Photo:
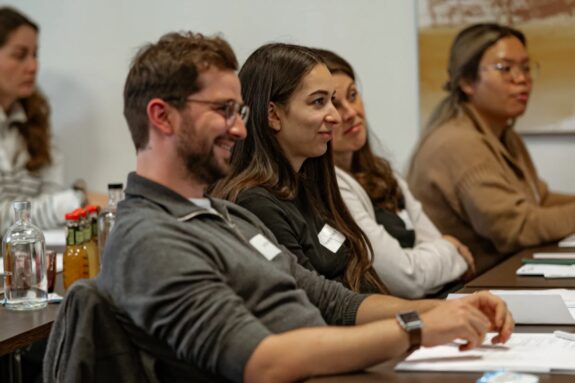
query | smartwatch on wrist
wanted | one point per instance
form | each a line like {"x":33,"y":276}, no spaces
{"x":412,"y":324}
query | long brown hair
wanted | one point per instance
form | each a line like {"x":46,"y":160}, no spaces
{"x":36,"y":130}
{"x":271,"y":74}
{"x":373,"y":173}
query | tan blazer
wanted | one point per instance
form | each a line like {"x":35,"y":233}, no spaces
{"x":486,"y":191}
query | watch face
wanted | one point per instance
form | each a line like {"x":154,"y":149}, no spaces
{"x":409,"y":320}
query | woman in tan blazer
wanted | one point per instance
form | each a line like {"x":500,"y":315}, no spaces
{"x":471,"y":170}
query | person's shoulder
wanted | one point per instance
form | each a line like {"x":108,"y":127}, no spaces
{"x":255,"y":191}
{"x":142,"y":215}
{"x":455,"y":139}
{"x":454,"y":131}
{"x":241,"y":215}
{"x":257,"y":195}
{"x":343,"y":177}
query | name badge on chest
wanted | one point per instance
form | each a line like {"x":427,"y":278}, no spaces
{"x":264,"y":246}
{"x":330,"y":238}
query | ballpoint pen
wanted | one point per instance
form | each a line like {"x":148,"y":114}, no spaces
{"x":564,"y":335}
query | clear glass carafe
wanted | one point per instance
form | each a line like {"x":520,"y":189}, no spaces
{"x":107,"y":215}
{"x":23,"y":251}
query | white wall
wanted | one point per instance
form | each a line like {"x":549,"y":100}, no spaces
{"x":86,"y":47}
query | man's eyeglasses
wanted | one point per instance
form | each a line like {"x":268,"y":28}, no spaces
{"x":230,"y":109}
{"x":513,"y":71}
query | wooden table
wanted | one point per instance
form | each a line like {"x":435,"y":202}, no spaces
{"x":18,"y":329}
{"x":22,"y":328}
{"x":384,"y":372}
{"x":503,"y":275}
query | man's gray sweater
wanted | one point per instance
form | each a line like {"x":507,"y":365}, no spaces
{"x":195,"y":292}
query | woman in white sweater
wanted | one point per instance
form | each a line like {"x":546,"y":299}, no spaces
{"x":30,"y":169}
{"x":410,"y":255}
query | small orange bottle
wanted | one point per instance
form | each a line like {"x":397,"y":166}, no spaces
{"x":75,"y":257}
{"x":89,"y":246}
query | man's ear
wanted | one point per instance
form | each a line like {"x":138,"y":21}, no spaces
{"x":273,"y":117}
{"x":160,"y":115}
{"x":467,"y":87}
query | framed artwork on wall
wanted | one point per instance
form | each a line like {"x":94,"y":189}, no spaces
{"x":549,"y":26}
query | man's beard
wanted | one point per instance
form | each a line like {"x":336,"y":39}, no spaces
{"x":198,"y":157}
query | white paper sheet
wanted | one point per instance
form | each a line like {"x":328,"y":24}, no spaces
{"x":567,"y":241}
{"x":523,"y":352}
{"x":547,"y":271}
{"x":537,"y":306}
{"x":569,"y":255}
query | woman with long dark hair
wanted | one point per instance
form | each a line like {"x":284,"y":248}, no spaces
{"x":471,"y":170}
{"x":410,"y":255}
{"x":283,"y":171}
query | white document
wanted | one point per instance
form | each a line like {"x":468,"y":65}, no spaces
{"x":542,"y":353}
{"x":567,"y":295}
{"x":535,"y":307}
{"x":547,"y":271}
{"x":568,"y":241}
{"x":554,"y":256}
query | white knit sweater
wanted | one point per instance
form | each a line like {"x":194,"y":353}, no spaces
{"x":407,"y":273}
{"x":50,"y":201}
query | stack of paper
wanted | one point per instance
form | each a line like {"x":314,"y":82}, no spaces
{"x":547,"y":270}
{"x":570,"y":256}
{"x":568,"y":296}
{"x":552,"y":306}
{"x":539,"y":353}
{"x":568,"y":241}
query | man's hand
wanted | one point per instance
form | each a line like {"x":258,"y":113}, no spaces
{"x":468,"y":318}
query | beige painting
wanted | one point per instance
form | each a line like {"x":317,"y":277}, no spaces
{"x":549,"y":26}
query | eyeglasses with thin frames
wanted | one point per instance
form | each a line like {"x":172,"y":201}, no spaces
{"x":230,"y":109}
{"x":513,"y":71}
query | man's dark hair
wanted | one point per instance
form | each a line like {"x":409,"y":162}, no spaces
{"x":169,"y":70}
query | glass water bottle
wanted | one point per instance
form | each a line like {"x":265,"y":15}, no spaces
{"x":23,"y":250}
{"x":107,"y":215}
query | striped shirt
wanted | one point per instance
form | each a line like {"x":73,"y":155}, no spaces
{"x":50,"y":201}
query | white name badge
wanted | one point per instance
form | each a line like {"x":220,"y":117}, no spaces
{"x":264,"y":246}
{"x":330,"y":238}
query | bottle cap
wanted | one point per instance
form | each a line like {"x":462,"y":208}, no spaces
{"x":21,"y":205}
{"x":81,"y":212}
{"x":92,"y":208}
{"x":72,"y":216}
{"x":116,"y":186}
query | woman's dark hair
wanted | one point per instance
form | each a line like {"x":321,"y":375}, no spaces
{"x":271,"y":74}
{"x":36,"y":130}
{"x":373,"y":173}
{"x":465,"y":55}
